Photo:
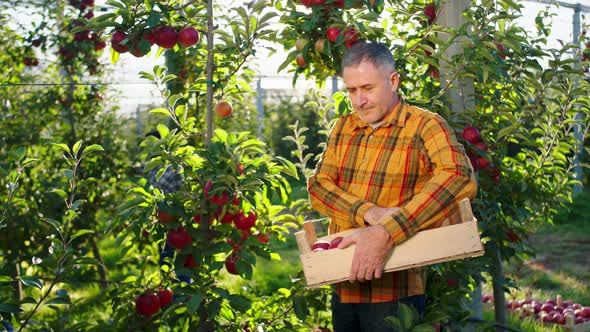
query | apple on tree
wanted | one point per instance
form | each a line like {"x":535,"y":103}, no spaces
{"x":300,"y":60}
{"x":117,"y":39}
{"x":188,"y":37}
{"x":165,"y":295}
{"x":430,"y":12}
{"x":230,"y":263}
{"x":147,"y":304}
{"x":332,"y":34}
{"x":223,"y":109}
{"x":320,"y":45}
{"x":178,"y":238}
{"x":165,"y":36}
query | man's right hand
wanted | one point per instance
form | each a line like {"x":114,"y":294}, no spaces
{"x":376,"y":213}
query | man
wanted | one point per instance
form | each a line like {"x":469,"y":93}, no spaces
{"x":391,"y":169}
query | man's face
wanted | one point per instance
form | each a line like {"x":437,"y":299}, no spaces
{"x":372,"y":90}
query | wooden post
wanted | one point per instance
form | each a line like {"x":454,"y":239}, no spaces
{"x":310,"y":234}
{"x":461,"y":98}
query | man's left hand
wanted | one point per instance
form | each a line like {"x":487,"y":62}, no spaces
{"x":373,"y":245}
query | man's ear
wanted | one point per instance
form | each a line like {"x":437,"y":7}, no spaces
{"x":394,"y":80}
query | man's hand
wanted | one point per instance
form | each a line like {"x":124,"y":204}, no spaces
{"x":376,"y":213}
{"x":373,"y":244}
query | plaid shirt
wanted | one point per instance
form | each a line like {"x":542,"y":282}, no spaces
{"x":412,"y":161}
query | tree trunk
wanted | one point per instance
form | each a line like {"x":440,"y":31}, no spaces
{"x":499,"y":298}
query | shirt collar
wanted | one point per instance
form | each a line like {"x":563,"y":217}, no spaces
{"x":395,"y":118}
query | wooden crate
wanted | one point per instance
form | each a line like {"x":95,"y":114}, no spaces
{"x":446,"y":243}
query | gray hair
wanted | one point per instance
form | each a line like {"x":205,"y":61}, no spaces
{"x":376,"y":53}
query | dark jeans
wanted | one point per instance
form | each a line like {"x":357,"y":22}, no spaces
{"x":369,"y":317}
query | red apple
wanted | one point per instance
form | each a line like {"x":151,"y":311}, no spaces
{"x":227,"y":218}
{"x":190,"y":262}
{"x":165,"y":217}
{"x":37,"y":42}
{"x":89,"y":15}
{"x":501,"y":50}
{"x":230,"y":263}
{"x":165,"y":296}
{"x":147,"y":304}
{"x":165,"y":36}
{"x":481,"y":146}
{"x":474,"y":163}
{"x":223,"y":109}
{"x":335,"y":242}
{"x":99,"y":45}
{"x":471,"y":135}
{"x":197,"y":218}
{"x":262,"y":238}
{"x":188,"y":37}
{"x":300,"y":60}
{"x":332,"y":34}
{"x":116,"y":39}
{"x":433,"y":71}
{"x":240,"y":171}
{"x":307,"y":3}
{"x":178,"y":238}
{"x":585,"y":312}
{"x":149,"y":36}
{"x":483,"y":163}
{"x":547,"y":307}
{"x":430,"y":12}
{"x":351,"y":36}
{"x":512,"y":237}
{"x":320,"y":246}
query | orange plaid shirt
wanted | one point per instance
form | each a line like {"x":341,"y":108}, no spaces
{"x":412,"y":161}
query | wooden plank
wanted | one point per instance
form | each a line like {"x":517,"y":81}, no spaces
{"x":425,"y":248}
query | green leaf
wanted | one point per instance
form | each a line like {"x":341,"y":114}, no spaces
{"x":32,"y":282}
{"x":194,"y":302}
{"x":163,"y":130}
{"x":68,"y":173}
{"x":28,"y":300}
{"x":394,"y":323}
{"x":161,"y":110}
{"x":153,"y":20}
{"x":10,"y":308}
{"x":20,"y":152}
{"x":62,"y":147}
{"x":300,"y":306}
{"x":239,"y":302}
{"x":114,"y":56}
{"x":92,"y":148}
{"x":80,"y":233}
{"x":60,"y":192}
{"x":4,"y":279}
{"x":77,"y":147}
{"x":53,"y":223}
{"x":424,"y":328}
{"x":406,"y":316}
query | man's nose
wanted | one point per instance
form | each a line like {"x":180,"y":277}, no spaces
{"x":361,"y":99}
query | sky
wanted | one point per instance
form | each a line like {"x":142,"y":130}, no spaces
{"x":135,"y":93}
